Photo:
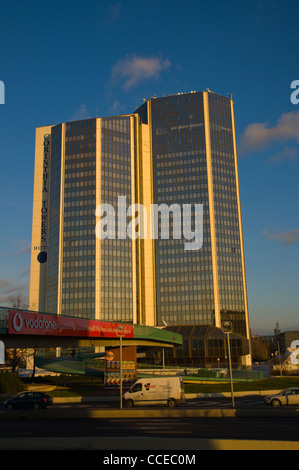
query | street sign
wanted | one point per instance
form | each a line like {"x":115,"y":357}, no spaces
{"x":227,"y":327}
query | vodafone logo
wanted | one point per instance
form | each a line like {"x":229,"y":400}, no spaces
{"x":27,"y":323}
{"x":17,"y":322}
{"x":21,"y":322}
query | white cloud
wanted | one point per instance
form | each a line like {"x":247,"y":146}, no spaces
{"x":80,"y":114}
{"x":286,"y":155}
{"x":116,"y":107}
{"x":10,"y":293}
{"x":23,"y":248}
{"x":8,"y":287}
{"x":114,"y":12}
{"x":132,"y":70}
{"x":284,"y":238}
{"x":259,"y":136}
{"x":5,"y":284}
{"x":266,"y":11}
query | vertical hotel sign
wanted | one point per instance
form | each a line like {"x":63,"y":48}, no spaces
{"x":42,"y":256}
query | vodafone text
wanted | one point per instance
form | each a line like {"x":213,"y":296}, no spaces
{"x":33,"y":323}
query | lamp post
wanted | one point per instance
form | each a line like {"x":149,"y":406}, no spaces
{"x":227,"y":328}
{"x":120,"y":333}
{"x":279,"y":357}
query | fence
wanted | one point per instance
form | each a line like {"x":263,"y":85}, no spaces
{"x":239,"y":375}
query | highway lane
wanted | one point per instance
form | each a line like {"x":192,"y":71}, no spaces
{"x":214,"y":402}
{"x":244,"y":402}
{"x":282,"y":429}
{"x":197,"y":403}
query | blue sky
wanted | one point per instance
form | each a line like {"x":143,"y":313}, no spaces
{"x":65,"y":60}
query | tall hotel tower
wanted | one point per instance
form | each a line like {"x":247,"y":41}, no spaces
{"x":179,"y":149}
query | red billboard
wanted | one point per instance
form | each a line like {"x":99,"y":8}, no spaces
{"x":31,"y":323}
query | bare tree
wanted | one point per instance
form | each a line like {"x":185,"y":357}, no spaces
{"x":18,"y":301}
{"x":16,"y":357}
{"x":260,"y":349}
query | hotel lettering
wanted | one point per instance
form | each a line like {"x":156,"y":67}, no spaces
{"x":42,"y":256}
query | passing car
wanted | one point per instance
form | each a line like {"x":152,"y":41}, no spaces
{"x":34,"y":400}
{"x":288,"y":397}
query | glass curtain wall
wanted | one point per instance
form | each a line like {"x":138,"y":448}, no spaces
{"x":78,"y":288}
{"x":116,"y":254}
{"x":184,"y":278}
{"x":231,"y":287}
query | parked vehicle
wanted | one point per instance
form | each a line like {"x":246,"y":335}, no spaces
{"x":156,"y":390}
{"x":289,"y":396}
{"x":34,"y":400}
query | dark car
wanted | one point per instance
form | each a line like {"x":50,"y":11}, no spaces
{"x":34,"y":400}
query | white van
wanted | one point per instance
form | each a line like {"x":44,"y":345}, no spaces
{"x":155,"y":391}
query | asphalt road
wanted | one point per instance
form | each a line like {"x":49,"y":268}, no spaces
{"x":282,"y":429}
{"x":122,"y":429}
{"x":250,"y":401}
{"x":216,"y":402}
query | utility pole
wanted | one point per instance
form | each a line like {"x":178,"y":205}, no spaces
{"x":227,"y":328}
{"x":279,"y":357}
{"x":121,"y":332}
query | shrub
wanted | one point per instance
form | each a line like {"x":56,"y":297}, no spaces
{"x":10,"y":383}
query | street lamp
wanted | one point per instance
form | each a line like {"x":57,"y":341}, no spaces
{"x":279,"y":357}
{"x":121,"y":331}
{"x":227,"y":328}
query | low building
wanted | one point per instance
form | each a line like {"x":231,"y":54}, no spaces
{"x":206,"y":346}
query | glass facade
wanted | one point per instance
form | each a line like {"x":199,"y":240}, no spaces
{"x":116,"y":254}
{"x":230,"y":277}
{"x":205,"y":346}
{"x":78,"y":265}
{"x":73,"y":184}
{"x":184,"y":278}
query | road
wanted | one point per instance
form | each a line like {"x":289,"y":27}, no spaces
{"x":213,"y":402}
{"x":281,"y":429}
{"x":127,"y":431}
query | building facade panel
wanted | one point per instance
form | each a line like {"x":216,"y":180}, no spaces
{"x":184,"y":278}
{"x":40,"y":214}
{"x":227,"y":224}
{"x":78,"y":258}
{"x":116,"y":249}
{"x":54,"y":220}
